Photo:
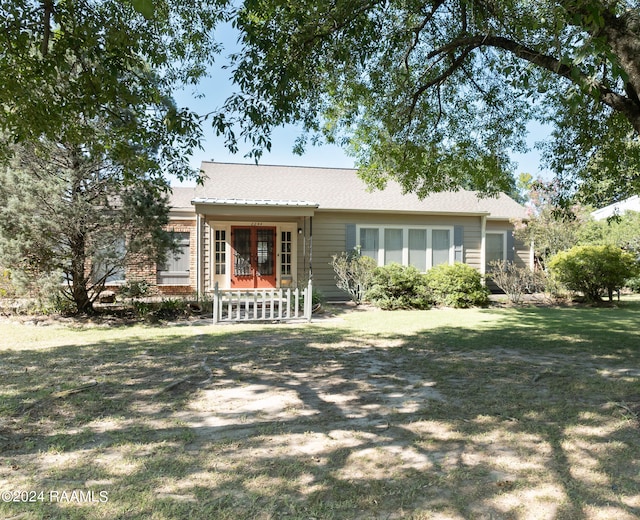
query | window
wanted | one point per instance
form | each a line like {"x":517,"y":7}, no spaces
{"x":175,"y":270}
{"x":220,"y":246}
{"x":392,"y":246}
{"x":441,"y":246}
{"x":421,"y":247}
{"x":418,"y":249}
{"x":285,"y":253}
{"x":369,"y":242}
{"x":495,"y":248}
{"x":108,"y":262}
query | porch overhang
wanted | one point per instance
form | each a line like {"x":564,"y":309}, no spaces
{"x":254,"y":207}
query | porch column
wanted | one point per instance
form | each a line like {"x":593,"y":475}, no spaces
{"x":199,"y":288}
{"x":483,"y":245}
{"x":310,"y":248}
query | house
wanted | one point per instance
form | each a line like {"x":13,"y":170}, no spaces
{"x":618,"y":208}
{"x":258,"y":226}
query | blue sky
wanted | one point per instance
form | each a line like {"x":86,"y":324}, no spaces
{"x":211,"y":93}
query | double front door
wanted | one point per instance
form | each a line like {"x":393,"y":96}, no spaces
{"x":254,"y":257}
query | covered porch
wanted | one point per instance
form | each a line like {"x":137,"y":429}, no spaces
{"x":254,"y":245}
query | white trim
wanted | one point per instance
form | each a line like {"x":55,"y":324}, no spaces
{"x":504,"y":244}
{"x":532,"y":257}
{"x":483,"y":245}
{"x":226,"y":225}
{"x":199,"y":235}
{"x":405,"y":241}
{"x":182,"y":216}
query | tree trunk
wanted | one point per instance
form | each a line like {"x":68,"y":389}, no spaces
{"x":79,"y":279}
{"x":622,"y":34}
{"x":79,"y":291}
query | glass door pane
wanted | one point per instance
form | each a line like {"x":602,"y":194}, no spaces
{"x":242,"y":252}
{"x":265,"y":250}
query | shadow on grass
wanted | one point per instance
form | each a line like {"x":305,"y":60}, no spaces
{"x":535,"y":413}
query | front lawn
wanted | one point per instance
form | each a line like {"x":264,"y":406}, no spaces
{"x":515,"y":413}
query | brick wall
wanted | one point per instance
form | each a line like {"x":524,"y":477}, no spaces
{"x":138,"y":271}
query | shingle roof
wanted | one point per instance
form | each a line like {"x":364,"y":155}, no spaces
{"x":181,"y":197}
{"x":336,"y":189}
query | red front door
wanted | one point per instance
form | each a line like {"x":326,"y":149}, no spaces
{"x":254,"y":257}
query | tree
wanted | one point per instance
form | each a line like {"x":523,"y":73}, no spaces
{"x":86,"y":107}
{"x":622,"y":231}
{"x":437,"y":93}
{"x":70,"y":214}
{"x":64,"y":64}
{"x":550,"y":227}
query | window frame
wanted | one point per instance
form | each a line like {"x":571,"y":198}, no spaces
{"x":405,"y":241}
{"x":504,"y":248}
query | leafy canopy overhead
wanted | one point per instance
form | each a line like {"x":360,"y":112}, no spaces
{"x":67,"y":63}
{"x":437,"y":93}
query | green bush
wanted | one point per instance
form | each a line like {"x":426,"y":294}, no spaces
{"x":171,"y":308}
{"x":134,"y":288}
{"x":7,"y":290}
{"x":592,"y":270}
{"x":633,"y":284}
{"x":354,"y":273}
{"x":457,"y":285}
{"x":399,"y":287}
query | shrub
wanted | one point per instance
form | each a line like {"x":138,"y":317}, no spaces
{"x":134,"y":288}
{"x":171,"y":308}
{"x":7,"y":290}
{"x":515,"y":281}
{"x":457,"y":285}
{"x":634,"y":284}
{"x":592,"y":270}
{"x":354,"y":273}
{"x":141,"y":309}
{"x":399,"y":287}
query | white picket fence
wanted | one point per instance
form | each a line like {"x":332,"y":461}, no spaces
{"x":233,"y":305}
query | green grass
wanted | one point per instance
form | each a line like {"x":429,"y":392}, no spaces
{"x":479,"y":413}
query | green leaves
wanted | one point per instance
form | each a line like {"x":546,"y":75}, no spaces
{"x":117,"y":61}
{"x":594,"y":269}
{"x":435,"y":94}
{"x":144,"y":7}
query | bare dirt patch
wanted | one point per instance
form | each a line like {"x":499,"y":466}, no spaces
{"x":323,"y":422}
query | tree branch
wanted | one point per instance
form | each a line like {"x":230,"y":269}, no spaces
{"x":418,"y":29}
{"x":574,"y":74}
{"x":46,"y":26}
{"x":455,"y":65}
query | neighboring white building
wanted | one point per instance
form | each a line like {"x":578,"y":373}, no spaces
{"x":618,"y":208}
